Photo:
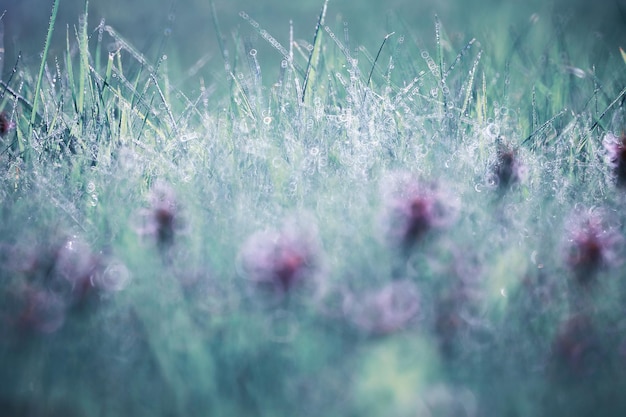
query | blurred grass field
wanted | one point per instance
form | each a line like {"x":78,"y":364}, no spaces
{"x":406,"y":213}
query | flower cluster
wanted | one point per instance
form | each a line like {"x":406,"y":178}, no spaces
{"x":49,"y":281}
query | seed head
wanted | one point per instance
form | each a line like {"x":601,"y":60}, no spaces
{"x":161,"y":219}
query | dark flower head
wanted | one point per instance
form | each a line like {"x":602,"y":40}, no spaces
{"x":413,"y":209}
{"x":592,"y":245}
{"x":281,"y":259}
{"x":161,"y":219}
{"x":506,"y":169}
{"x":616,"y":156}
{"x":5,"y":124}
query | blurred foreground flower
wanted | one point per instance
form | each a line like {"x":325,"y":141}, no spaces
{"x":39,"y":310}
{"x":48,"y":281}
{"x":413,"y":209}
{"x":616,"y":156}
{"x":385,"y":311}
{"x":5,"y":124}
{"x":506,"y":170}
{"x":281,"y":259}
{"x":161,"y":220}
{"x":592,"y":245}
{"x":575,"y":348}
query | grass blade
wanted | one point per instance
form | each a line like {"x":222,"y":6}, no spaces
{"x":315,"y":53}
{"x":33,"y":114}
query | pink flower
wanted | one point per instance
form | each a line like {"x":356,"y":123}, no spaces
{"x":592,"y":245}
{"x":507,"y":169}
{"x":414,"y":209}
{"x":281,"y":259}
{"x":161,"y":220}
{"x":5,"y":124}
{"x":616,"y":156}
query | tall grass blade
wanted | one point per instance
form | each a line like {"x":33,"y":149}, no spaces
{"x":84,"y":60}
{"x":33,"y":114}
{"x":311,"y":67}
{"x":369,"y":78}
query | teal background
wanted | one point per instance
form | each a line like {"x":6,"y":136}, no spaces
{"x":144,"y":22}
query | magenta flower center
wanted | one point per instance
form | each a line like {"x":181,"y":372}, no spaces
{"x":287,"y":265}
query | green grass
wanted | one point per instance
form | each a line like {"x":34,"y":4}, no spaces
{"x":247,"y":248}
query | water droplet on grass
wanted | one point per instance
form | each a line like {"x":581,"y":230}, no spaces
{"x":115,"y":277}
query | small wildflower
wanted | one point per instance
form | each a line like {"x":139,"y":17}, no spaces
{"x":5,"y":124}
{"x":414,"y":209}
{"x":616,"y":156}
{"x":506,"y":169}
{"x":387,"y":310}
{"x":280,"y":259}
{"x":161,"y":219}
{"x":592,"y":246}
{"x":79,"y":267}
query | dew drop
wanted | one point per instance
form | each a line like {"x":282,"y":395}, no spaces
{"x":115,"y":277}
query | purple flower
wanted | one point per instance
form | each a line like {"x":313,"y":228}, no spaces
{"x":507,"y":169}
{"x":281,"y":259}
{"x":592,"y":245}
{"x":414,"y":209}
{"x":5,"y":124}
{"x":161,"y":220}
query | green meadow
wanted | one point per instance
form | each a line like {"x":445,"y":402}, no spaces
{"x":335,"y":208}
